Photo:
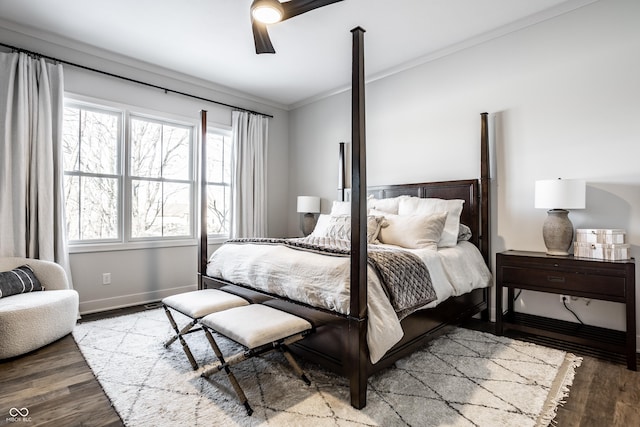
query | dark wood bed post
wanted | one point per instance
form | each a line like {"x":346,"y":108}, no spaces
{"x":204,"y":241}
{"x":484,"y":189}
{"x":341,"y":172}
{"x":358,"y":285}
{"x":485,"y":202}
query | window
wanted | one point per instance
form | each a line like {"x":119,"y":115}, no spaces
{"x":161,"y":180}
{"x":130,"y":178}
{"x":91,"y":151}
{"x":218,"y":182}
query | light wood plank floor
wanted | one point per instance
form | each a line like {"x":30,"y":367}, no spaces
{"x":57,"y":387}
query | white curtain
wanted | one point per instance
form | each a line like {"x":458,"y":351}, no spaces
{"x":32,"y":220}
{"x":249,"y":175}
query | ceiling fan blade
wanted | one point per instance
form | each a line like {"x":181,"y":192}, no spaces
{"x":297,"y":7}
{"x":261,"y":38}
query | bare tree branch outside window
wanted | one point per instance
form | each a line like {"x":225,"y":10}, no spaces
{"x":218,"y":183}
{"x":91,"y":142}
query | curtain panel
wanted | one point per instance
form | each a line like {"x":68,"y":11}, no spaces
{"x":32,"y":222}
{"x":249,"y":175}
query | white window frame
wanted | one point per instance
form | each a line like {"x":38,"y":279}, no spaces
{"x":225,"y":132}
{"x":128,"y":178}
{"x":70,"y":103}
{"x":125,"y":242}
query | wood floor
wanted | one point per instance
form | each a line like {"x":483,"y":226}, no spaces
{"x":57,"y":387}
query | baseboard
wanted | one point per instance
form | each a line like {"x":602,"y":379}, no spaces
{"x":113,"y":303}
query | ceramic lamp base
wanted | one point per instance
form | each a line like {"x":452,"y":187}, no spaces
{"x":557,"y":232}
{"x":308,"y":223}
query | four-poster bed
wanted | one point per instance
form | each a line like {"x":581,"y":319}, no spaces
{"x":340,"y":340}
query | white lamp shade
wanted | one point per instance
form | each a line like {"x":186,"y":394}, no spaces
{"x":560,"y":194}
{"x":308,"y":204}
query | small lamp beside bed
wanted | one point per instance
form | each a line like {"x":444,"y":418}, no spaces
{"x":559,"y":195}
{"x":309,"y":206}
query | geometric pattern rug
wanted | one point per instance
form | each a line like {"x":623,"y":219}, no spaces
{"x":463,"y":378}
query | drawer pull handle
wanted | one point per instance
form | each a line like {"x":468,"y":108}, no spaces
{"x":557,"y":279}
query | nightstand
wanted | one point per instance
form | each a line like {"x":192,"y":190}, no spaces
{"x":580,"y":277}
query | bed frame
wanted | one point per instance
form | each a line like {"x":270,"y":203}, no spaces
{"x":339,"y":342}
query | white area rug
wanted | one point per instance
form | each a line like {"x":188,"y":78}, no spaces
{"x":465,"y":378}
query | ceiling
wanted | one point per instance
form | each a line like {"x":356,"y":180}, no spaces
{"x":211,"y":40}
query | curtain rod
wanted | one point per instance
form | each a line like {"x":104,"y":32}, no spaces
{"x":166,"y":90}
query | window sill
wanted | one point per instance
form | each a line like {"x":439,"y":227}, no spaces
{"x":110,"y":247}
{"x":132,"y":246}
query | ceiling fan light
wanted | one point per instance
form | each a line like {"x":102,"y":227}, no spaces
{"x":267,"y":11}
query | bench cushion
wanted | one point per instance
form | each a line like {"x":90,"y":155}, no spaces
{"x":197,"y":304}
{"x":255,"y":325}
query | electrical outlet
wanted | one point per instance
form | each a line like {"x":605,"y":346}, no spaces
{"x":106,"y":278}
{"x":565,"y":299}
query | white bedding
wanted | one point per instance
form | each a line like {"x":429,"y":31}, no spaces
{"x":323,"y":281}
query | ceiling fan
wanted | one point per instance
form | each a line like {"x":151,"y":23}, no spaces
{"x":264,"y":12}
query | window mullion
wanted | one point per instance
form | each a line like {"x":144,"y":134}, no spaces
{"x":80,"y":228}
{"x":162,"y":159}
{"x":125,"y":187}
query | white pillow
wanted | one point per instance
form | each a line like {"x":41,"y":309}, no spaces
{"x":321,"y":225}
{"x":413,"y":231}
{"x":385,"y":205}
{"x":419,"y":206}
{"x":340,"y":208}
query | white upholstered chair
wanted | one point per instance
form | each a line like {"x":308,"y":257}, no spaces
{"x":31,"y":320}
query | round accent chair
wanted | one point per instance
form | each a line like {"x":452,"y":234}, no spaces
{"x":31,"y":320}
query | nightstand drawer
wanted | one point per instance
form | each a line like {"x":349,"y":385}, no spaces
{"x":548,"y":280}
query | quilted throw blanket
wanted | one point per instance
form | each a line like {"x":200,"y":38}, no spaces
{"x":405,"y":278}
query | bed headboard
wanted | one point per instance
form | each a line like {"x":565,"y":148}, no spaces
{"x":474,"y":192}
{"x":466,"y":190}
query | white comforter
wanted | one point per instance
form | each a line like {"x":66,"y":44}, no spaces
{"x":323,"y":281}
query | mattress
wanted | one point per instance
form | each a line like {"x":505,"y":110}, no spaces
{"x":323,"y":281}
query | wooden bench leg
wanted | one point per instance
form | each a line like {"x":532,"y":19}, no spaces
{"x":294,"y":365}
{"x":224,"y":365}
{"x":179,"y":336}
{"x":257,"y":336}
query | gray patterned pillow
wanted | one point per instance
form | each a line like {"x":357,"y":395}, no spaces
{"x":339,"y":227}
{"x":19,"y":280}
{"x":464,"y":233}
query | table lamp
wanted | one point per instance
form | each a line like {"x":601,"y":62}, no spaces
{"x":558,"y":195}
{"x":308,"y":205}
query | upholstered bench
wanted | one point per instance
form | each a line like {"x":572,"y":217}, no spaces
{"x":258,"y":328}
{"x":196,"y":305}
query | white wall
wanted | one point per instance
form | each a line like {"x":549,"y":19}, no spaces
{"x":564,"y":100}
{"x":140,"y":276}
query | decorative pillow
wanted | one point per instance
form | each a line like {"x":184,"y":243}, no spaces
{"x":19,"y":280}
{"x":464,"y":233}
{"x":339,"y":227}
{"x":419,"y":206}
{"x":413,"y":231}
